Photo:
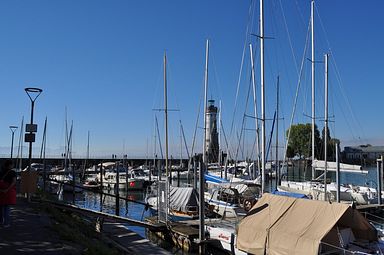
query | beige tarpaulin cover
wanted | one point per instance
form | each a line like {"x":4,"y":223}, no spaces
{"x":289,"y":226}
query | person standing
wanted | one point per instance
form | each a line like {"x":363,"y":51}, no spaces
{"x":7,"y":192}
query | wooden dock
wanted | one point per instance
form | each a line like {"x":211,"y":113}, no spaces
{"x":129,"y":241}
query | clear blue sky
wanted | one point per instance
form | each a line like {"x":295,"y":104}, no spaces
{"x":103,"y":61}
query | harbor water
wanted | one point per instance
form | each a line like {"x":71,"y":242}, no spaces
{"x":91,"y":200}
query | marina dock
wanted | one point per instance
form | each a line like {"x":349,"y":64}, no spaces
{"x":35,"y":231}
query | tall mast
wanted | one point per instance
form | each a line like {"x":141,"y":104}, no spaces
{"x":277,"y":167}
{"x":219,"y":130}
{"x":20,"y":149}
{"x":313,"y":84}
{"x":262,"y":93}
{"x":255,"y":110}
{"x":205,"y":101}
{"x":154,"y":143}
{"x":166,"y":136}
{"x":181,"y":145}
{"x":88,"y":145}
{"x":325,"y":125}
{"x":166,"y":115}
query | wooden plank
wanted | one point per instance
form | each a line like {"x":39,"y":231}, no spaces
{"x":183,"y":229}
{"x":131,"y":241}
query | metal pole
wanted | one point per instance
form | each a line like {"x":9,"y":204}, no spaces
{"x":28,"y":91}
{"x":277,"y":166}
{"x":313,"y":86}
{"x":101,"y":186}
{"x":262,"y":94}
{"x":325,"y":126}
{"x":13,"y":129}
{"x":220,"y":154}
{"x":194,"y":173}
{"x":337,"y":174}
{"x":117,"y":205}
{"x":205,"y":101}
{"x":166,"y":136}
{"x":30,"y":143}
{"x":255,"y":111}
{"x":43,"y":154}
{"x":201,"y":207}
{"x":154,"y":148}
{"x":379,"y":179}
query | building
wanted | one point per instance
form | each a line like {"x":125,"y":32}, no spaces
{"x":211,"y":135}
{"x":362,"y":154}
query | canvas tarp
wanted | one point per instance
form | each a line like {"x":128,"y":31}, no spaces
{"x":289,"y":225}
{"x":183,"y":199}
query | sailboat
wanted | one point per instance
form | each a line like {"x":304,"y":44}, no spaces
{"x":319,"y":188}
{"x":225,"y":235}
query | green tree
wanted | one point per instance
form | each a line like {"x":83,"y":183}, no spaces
{"x":331,"y":145}
{"x":300,"y":141}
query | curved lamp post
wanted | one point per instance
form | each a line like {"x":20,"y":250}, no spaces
{"x":31,"y":129}
{"x":13,"y":129}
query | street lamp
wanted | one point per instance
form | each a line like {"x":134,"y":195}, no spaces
{"x":31,"y":129}
{"x":13,"y":129}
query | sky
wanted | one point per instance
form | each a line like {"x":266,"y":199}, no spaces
{"x":100,"y":65}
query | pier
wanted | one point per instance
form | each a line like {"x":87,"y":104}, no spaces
{"x":34,"y":230}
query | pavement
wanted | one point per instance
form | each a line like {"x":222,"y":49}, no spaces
{"x":31,"y":233}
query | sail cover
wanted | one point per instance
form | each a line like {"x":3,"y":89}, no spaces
{"x":331,"y":166}
{"x":280,"y":225}
{"x":183,"y":199}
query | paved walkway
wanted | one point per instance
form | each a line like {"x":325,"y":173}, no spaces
{"x":30,"y":233}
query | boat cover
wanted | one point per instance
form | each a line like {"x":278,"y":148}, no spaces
{"x":214,"y":179}
{"x":285,"y":225}
{"x":183,"y":199}
{"x":289,"y":194}
{"x":331,"y":166}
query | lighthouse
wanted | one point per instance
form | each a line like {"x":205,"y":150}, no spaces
{"x":211,"y":141}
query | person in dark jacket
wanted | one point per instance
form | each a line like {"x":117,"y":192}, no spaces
{"x":7,"y":192}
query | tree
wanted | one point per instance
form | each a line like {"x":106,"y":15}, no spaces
{"x":331,"y":145}
{"x":300,"y":141}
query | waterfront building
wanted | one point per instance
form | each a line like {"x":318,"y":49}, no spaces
{"x":362,"y":154}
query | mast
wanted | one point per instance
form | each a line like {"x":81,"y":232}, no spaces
{"x":262,"y":93}
{"x":219,"y":130}
{"x":277,"y":166}
{"x":181,"y":145}
{"x":255,"y":112}
{"x":20,"y":148}
{"x":43,"y":142}
{"x":87,"y":148}
{"x":205,"y":101}
{"x":313,"y":84}
{"x":325,"y":125}
{"x":66,"y":141}
{"x":154,"y":146}
{"x":166,"y":134}
{"x":42,"y":154}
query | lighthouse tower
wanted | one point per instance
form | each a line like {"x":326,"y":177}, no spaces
{"x":212,"y":141}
